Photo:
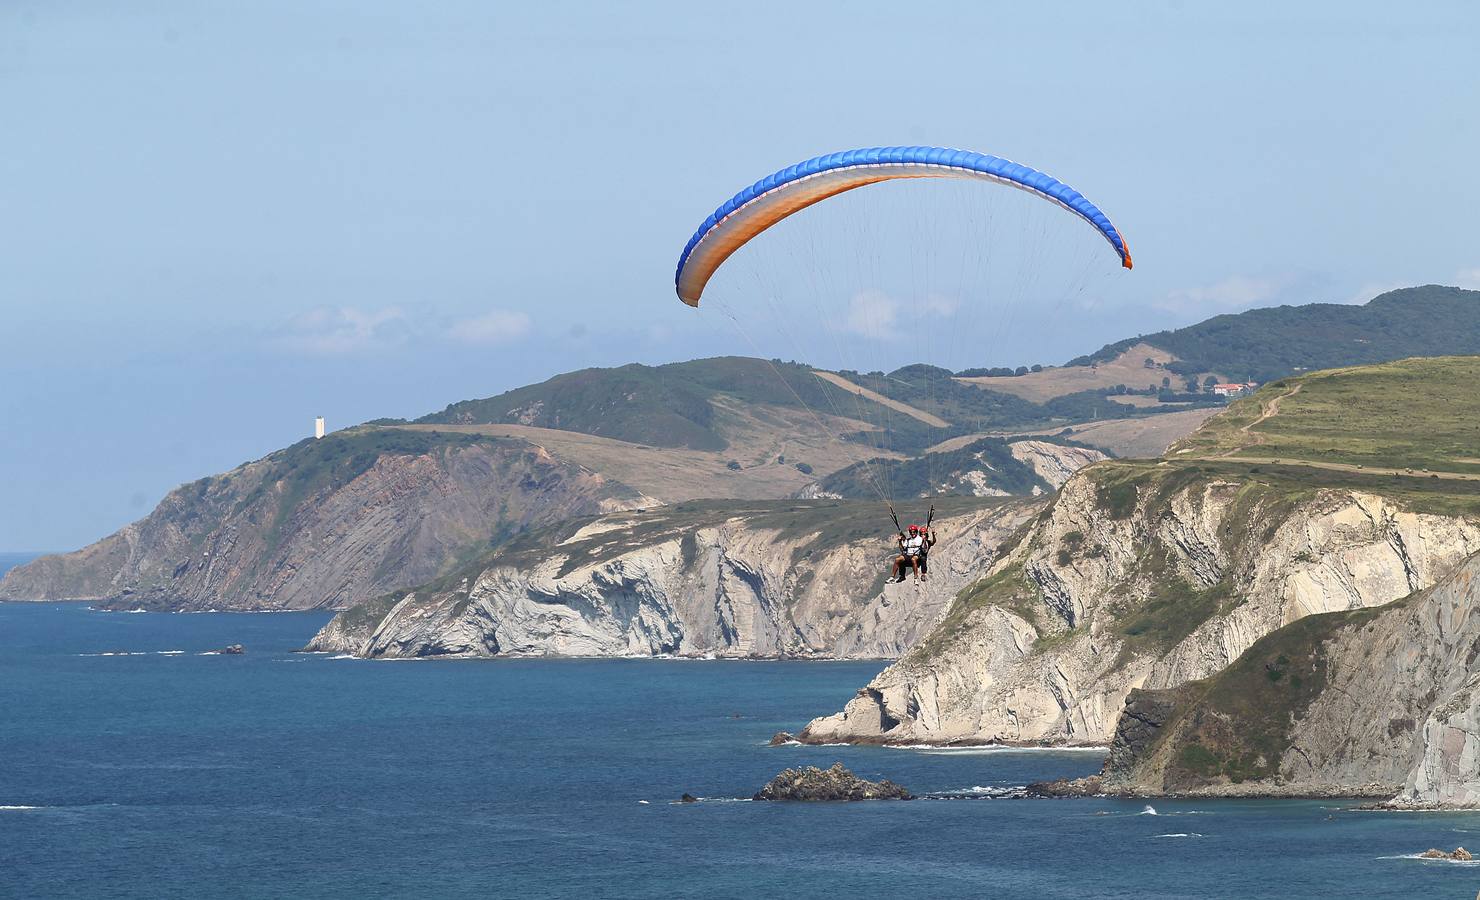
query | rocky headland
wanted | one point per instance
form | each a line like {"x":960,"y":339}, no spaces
{"x":788,"y":579}
{"x":1377,"y":703}
{"x":324,"y":522}
{"x":1143,"y":576}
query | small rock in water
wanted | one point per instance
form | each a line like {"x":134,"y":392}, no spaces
{"x":688,"y":798}
{"x":1460,"y":854}
{"x":836,"y":783}
{"x":1088,"y":786}
{"x":781,"y":737}
{"x":233,"y":650}
{"x":1433,"y":853}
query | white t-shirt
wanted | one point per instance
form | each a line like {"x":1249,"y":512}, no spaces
{"x":913,"y":545}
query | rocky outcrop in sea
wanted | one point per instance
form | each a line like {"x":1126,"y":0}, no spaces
{"x":812,"y":784}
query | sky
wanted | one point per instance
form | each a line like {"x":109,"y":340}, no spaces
{"x":218,"y":220}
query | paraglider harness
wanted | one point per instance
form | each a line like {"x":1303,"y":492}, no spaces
{"x":923,"y":553}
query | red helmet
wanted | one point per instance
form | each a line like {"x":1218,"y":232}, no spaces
{"x":914,"y":528}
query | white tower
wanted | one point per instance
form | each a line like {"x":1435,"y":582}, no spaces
{"x":318,"y":427}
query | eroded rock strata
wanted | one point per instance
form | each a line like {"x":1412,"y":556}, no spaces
{"x":1368,"y":703}
{"x":793,"y":579}
{"x":1144,"y":575}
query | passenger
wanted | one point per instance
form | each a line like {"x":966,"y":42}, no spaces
{"x":911,"y":550}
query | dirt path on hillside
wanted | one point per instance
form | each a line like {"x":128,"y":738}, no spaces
{"x":865,"y":393}
{"x":1348,"y":467}
{"x":1269,"y":411}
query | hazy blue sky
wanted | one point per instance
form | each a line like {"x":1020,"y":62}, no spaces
{"x":220,"y":219}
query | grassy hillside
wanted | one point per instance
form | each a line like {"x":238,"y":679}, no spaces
{"x":1265,"y":344}
{"x":315,"y":465}
{"x":1421,"y":415}
{"x":674,"y":405}
{"x":1236,"y":726}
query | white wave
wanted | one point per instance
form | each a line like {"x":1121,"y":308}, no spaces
{"x":991,"y":748}
{"x":19,"y":808}
{"x":1181,"y":834}
{"x":169,"y":652}
{"x":118,"y":653}
{"x":643,"y":802}
{"x":1148,"y":811}
{"x":344,"y":656}
{"x":978,"y":790}
{"x":1429,"y":859}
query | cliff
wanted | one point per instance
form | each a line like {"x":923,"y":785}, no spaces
{"x":1372,"y":703}
{"x":1333,"y":492}
{"x":791,"y":579}
{"x":1150,"y":575}
{"x":360,"y":512}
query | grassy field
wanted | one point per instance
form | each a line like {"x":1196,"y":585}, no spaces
{"x":1421,"y":415}
{"x":1127,"y":368}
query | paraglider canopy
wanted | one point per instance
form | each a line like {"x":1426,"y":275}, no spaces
{"x":794,"y":188}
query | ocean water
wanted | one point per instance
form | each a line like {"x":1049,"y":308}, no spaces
{"x":160,"y":772}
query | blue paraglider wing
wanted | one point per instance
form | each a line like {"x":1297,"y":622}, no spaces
{"x":777,"y":196}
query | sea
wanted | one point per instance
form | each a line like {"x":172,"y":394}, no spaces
{"x":136,"y":762}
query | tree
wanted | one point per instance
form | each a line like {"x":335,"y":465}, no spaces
{"x":1209,"y":382}
{"x":1150,"y":363}
{"x":1020,"y":370}
{"x":1192,"y":386}
{"x":1037,"y":367}
{"x":1166,"y":381}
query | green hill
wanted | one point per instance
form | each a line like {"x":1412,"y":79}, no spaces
{"x":1418,"y":415}
{"x":1265,"y":344}
{"x":674,"y":405}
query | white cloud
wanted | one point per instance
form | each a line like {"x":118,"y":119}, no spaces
{"x":1469,"y":278}
{"x":875,"y":314}
{"x":1233,"y":294}
{"x":872,"y":314}
{"x":942,"y":306}
{"x":334,"y":330}
{"x":496,"y":327}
